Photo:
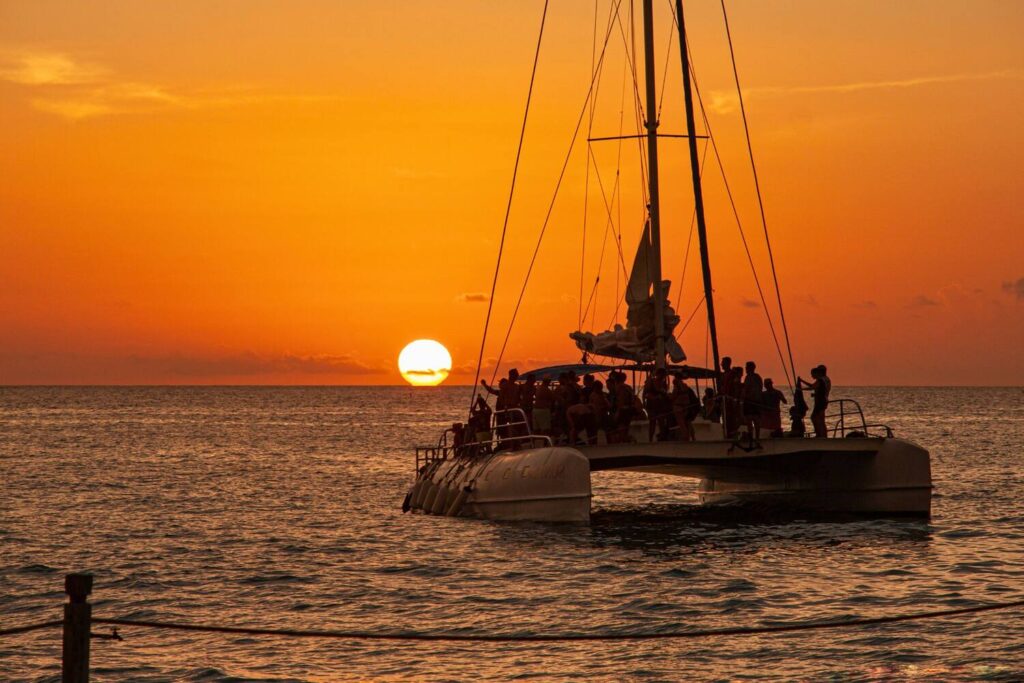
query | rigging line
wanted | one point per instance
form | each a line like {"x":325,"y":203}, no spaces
{"x":600,"y":261}
{"x":689,"y":239}
{"x":597,"y":72}
{"x":586,"y":180}
{"x":690,"y":318}
{"x":664,"y":75}
{"x":608,"y":210}
{"x":631,"y":59}
{"x":618,"y":168}
{"x":638,"y":103}
{"x":736,"y":215}
{"x":757,"y":186}
{"x":508,"y":206}
{"x":551,"y":206}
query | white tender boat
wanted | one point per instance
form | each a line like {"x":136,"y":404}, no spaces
{"x":515,"y":474}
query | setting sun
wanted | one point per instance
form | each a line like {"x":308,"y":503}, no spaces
{"x":424,"y":363}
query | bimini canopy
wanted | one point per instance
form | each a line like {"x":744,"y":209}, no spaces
{"x":553,"y":372}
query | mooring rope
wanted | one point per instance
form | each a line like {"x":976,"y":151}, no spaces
{"x":540,"y":638}
{"x":27,"y":629}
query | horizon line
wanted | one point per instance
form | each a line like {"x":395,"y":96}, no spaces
{"x":440,"y":386}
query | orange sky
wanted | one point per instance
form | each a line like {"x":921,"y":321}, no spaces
{"x":289,"y":192}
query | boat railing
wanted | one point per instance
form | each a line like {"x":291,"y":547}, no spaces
{"x":849,"y":420}
{"x":503,"y":434}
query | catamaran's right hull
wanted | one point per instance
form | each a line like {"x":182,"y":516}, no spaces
{"x":879,"y":476}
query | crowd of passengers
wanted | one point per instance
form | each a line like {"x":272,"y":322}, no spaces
{"x":570,"y":411}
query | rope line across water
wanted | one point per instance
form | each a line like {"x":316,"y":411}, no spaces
{"x":32,"y":627}
{"x":547,"y":638}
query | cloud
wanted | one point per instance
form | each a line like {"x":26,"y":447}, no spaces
{"x":749,"y":303}
{"x":47,"y":68}
{"x":725,"y":102}
{"x":1015,"y":288}
{"x":75,"y":90}
{"x":473,"y":297}
{"x":922,"y":301}
{"x":248,"y":364}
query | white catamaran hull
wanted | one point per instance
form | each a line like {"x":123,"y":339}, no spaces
{"x":881,"y":476}
{"x":539,"y":484}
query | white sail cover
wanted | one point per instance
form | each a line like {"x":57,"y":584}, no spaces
{"x":636,"y":341}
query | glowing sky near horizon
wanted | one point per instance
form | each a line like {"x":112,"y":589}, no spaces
{"x":288,"y":192}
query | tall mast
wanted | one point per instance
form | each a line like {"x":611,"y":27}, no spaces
{"x":698,"y":195}
{"x":652,"y":181}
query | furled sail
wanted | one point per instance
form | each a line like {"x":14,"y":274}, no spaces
{"x":637,"y":340}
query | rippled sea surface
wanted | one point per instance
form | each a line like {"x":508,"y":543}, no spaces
{"x":280,"y":507}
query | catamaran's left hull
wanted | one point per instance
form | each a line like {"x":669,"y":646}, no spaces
{"x":539,"y":484}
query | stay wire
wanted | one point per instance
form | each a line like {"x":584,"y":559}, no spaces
{"x":586,"y":180}
{"x":689,"y":239}
{"x":757,"y":187}
{"x":508,"y":206}
{"x":551,"y":206}
{"x":736,"y":215}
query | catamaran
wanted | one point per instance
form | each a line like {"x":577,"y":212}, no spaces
{"x":510,"y":472}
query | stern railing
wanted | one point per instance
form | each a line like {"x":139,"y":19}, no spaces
{"x":849,"y":421}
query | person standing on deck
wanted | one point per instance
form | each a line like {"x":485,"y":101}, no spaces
{"x":771,"y":406}
{"x":657,"y":403}
{"x":820,"y":388}
{"x":732,"y":400}
{"x":507,"y":398}
{"x":753,"y":387}
{"x":599,"y":407}
{"x":625,"y":410}
{"x":725,"y":390}
{"x":685,"y":406}
{"x":527,"y":396}
{"x":712,"y":408}
{"x":543,"y":402}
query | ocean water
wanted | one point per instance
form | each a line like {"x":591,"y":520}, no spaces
{"x":280,"y":507}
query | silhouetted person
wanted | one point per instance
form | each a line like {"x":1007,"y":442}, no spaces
{"x":527,"y":396}
{"x":820,"y":388}
{"x":712,"y":407}
{"x":657,"y":402}
{"x":685,"y":406}
{"x":753,"y":387}
{"x":771,"y":407}
{"x":798,"y":412}
{"x":543,"y":402}
{"x":480,"y":422}
{"x":732,"y":400}
{"x":625,"y":408}
{"x":599,"y":408}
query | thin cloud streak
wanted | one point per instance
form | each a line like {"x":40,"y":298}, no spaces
{"x":723,"y":102}
{"x":77,"y":90}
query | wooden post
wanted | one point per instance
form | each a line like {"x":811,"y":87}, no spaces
{"x":77,"y":625}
